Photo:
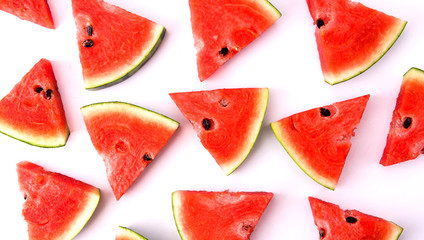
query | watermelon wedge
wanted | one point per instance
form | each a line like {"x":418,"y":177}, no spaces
{"x":318,"y":140}
{"x":222,"y":28}
{"x":218,"y":215}
{"x":128,"y":234}
{"x":335,"y":223}
{"x":56,"y":206}
{"x":33,"y":112}
{"x":113,"y":43}
{"x":405,"y":140}
{"x":128,"y":137}
{"x":36,"y":11}
{"x":227,"y":121}
{"x":351,"y":37}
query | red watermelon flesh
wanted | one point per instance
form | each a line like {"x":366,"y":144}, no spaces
{"x":218,"y":215}
{"x":222,"y":28}
{"x":405,"y":140}
{"x":33,"y":112}
{"x":56,"y":206}
{"x":113,"y":43}
{"x":318,"y":140}
{"x":128,"y":137}
{"x":351,"y":37}
{"x":234,"y":116}
{"x":36,"y":11}
{"x":334,"y":223}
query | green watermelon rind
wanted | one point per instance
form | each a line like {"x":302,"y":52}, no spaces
{"x":129,"y":233}
{"x":38,"y":141}
{"x":176,"y":202}
{"x":273,"y":7}
{"x":125,"y":75}
{"x":317,"y":178}
{"x":381,"y":54}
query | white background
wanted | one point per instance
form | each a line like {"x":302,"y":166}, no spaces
{"x":284,"y":59}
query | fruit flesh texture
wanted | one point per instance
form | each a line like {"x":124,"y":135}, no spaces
{"x":222,"y":28}
{"x":406,"y":141}
{"x":236,"y":117}
{"x":56,"y":206}
{"x":122,"y":42}
{"x":335,"y":223}
{"x":32,"y":115}
{"x":352,"y":37}
{"x":319,"y":144}
{"x":123,"y":134}
{"x":218,"y":215}
{"x":36,"y":11}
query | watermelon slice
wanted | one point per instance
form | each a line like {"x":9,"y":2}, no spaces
{"x":218,"y":215}
{"x":405,"y":140}
{"x":113,"y":43}
{"x":227,"y":121}
{"x":222,"y":28}
{"x":335,"y":223}
{"x":128,"y":137}
{"x":318,"y":140}
{"x":128,"y":234}
{"x":56,"y":206}
{"x":33,"y":112}
{"x":351,"y":37}
{"x":36,"y":11}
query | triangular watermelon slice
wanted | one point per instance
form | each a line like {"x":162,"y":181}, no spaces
{"x":113,"y":43}
{"x":128,"y":137}
{"x":218,"y":215}
{"x":318,"y":140}
{"x":33,"y":112}
{"x":227,"y":121}
{"x":128,"y":234}
{"x":222,"y":28}
{"x":405,"y":140}
{"x":56,"y":206}
{"x":36,"y":11}
{"x":351,"y":37}
{"x":335,"y":223}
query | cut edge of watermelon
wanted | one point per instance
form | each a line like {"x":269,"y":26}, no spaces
{"x":126,"y":233}
{"x":254,"y":134}
{"x":394,"y":34}
{"x":309,"y":171}
{"x":130,"y":69}
{"x":85,"y":215}
{"x":176,"y":204}
{"x":272,"y":10}
{"x":44,"y":141}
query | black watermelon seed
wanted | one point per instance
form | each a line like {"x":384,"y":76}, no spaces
{"x":320,"y":23}
{"x":246,"y":227}
{"x":88,"y":43}
{"x":407,"y":122}
{"x":325,"y":112}
{"x":206,"y":124}
{"x":39,"y":89}
{"x":321,"y":233}
{"x":223,"y":102}
{"x":351,"y":219}
{"x":147,"y":157}
{"x":224,"y":51}
{"x":49,"y":93}
{"x":89,"y":30}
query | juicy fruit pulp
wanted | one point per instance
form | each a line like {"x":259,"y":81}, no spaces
{"x":222,"y":28}
{"x":33,"y":112}
{"x":36,"y":11}
{"x":113,"y":43}
{"x":227,"y":121}
{"x":56,"y":206}
{"x":218,"y":215}
{"x":128,"y":137}
{"x":128,"y":234}
{"x":405,"y":140}
{"x":318,"y":140}
{"x":335,"y":223}
{"x":351,"y":37}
